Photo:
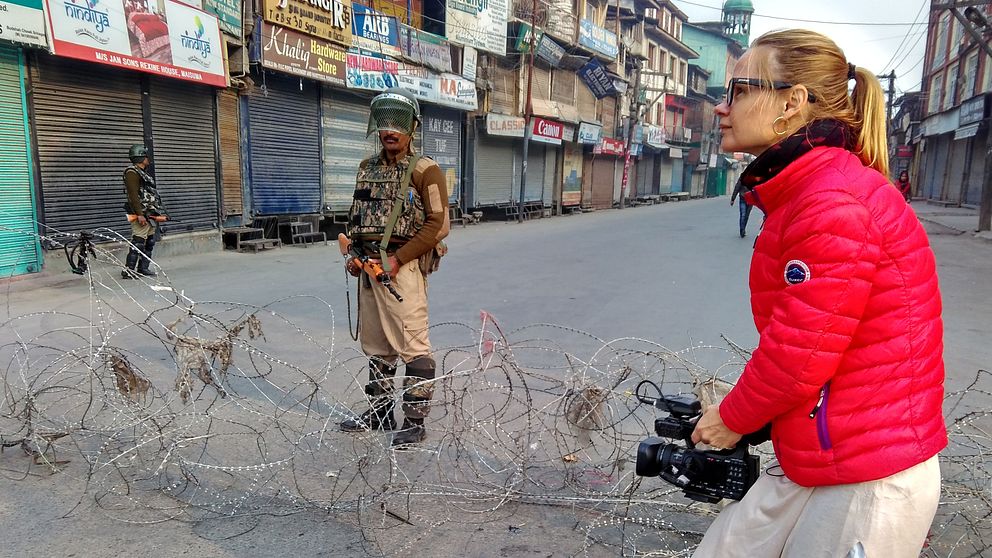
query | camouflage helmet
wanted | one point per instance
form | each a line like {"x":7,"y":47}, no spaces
{"x":396,"y":110}
{"x":137,"y":153}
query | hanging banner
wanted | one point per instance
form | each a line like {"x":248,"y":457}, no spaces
{"x":165,"y":38}
{"x":23,"y":21}
{"x":294,"y":53}
{"x":598,"y":39}
{"x":425,"y":49}
{"x":327,"y":19}
{"x":228,"y":14}
{"x":595,"y":76}
{"x":480,"y":24}
{"x":546,"y":131}
{"x":367,"y":71}
{"x":550,"y":51}
{"x":503,"y":125}
{"x":374,"y":31}
{"x":420,"y":81}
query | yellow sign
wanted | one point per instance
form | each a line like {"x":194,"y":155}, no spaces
{"x":328,"y":19}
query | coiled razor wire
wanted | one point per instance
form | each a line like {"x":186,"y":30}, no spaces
{"x":162,"y":408}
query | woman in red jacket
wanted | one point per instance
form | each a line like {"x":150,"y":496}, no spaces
{"x":848,"y":368}
{"x":903,"y":184}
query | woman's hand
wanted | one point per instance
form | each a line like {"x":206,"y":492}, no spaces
{"x":711,"y":430}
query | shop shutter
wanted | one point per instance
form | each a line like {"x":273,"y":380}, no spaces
{"x":85,"y":118}
{"x":442,"y":141}
{"x":19,"y":247}
{"x":645,"y":168}
{"x":973,"y":190}
{"x":608,"y":116}
{"x":542,"y":84}
{"x":563,"y":87}
{"x":184,"y":139}
{"x":586,"y":103}
{"x":502,"y":97}
{"x":284,"y":147}
{"x":229,"y":130}
{"x":535,"y":173}
{"x":955,"y":173}
{"x":345,"y":120}
{"x":550,"y":175}
{"x":497,"y":172}
{"x":602,"y":182}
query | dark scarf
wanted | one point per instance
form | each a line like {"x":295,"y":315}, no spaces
{"x":827,"y":132}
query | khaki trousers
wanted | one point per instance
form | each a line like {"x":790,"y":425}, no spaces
{"x":889,"y":518}
{"x":390,"y":329}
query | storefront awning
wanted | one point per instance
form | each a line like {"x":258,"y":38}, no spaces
{"x":968,"y":131}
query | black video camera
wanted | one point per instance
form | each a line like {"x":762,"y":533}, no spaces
{"x":703,"y":475}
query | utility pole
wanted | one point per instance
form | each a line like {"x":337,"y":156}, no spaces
{"x":888,"y":105}
{"x":528,"y":113}
{"x":632,"y":122}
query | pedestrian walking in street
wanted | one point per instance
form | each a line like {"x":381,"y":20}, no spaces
{"x":849,"y":369}
{"x":744,"y":207}
{"x":145,"y":213}
{"x":398,"y":217}
{"x":904,"y":187}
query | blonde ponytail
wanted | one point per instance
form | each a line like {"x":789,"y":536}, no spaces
{"x":869,"y":121}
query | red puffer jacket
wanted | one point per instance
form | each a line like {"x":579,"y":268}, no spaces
{"x":849,"y":367}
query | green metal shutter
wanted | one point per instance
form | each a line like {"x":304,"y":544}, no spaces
{"x":20,"y":251}
{"x":184,"y":138}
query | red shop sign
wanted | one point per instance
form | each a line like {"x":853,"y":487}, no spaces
{"x":609,"y":146}
{"x":547,"y":131}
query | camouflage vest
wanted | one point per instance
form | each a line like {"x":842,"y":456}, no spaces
{"x":151,"y":202}
{"x":376,"y":189}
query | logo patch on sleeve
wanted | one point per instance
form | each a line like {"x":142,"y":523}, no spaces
{"x":796,"y":272}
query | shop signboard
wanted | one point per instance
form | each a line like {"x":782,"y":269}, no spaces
{"x":609,"y":146}
{"x":374,"y":31}
{"x":228,"y":13}
{"x":23,"y":21}
{"x":546,"y":131}
{"x":972,"y":110}
{"x":327,"y":19}
{"x":590,"y":133}
{"x":598,"y":39}
{"x":470,"y":58}
{"x":425,"y":49}
{"x":549,"y":50}
{"x":165,"y":38}
{"x":503,"y":125}
{"x":457,"y":92}
{"x":290,"y":52}
{"x":655,"y":136}
{"x":477,"y":23}
{"x":373,"y":72}
{"x":599,"y":81}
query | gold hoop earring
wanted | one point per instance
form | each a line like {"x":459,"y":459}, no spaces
{"x":785,"y":126}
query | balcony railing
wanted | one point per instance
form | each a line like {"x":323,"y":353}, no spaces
{"x":555,"y":17}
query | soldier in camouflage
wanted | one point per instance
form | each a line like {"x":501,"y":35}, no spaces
{"x":390,"y":330}
{"x":144,"y":211}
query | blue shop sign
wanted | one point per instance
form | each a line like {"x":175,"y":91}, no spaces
{"x":598,"y":39}
{"x":595,"y":76}
{"x":374,"y":31}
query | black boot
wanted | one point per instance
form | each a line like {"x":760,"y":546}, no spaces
{"x":131,"y":263}
{"x":380,"y":391}
{"x":413,"y":432}
{"x":417,"y":393}
{"x":146,"y":259}
{"x":378,"y":417}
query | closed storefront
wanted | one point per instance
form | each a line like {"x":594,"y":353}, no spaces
{"x":497,"y":171}
{"x":551,"y":173}
{"x":442,"y":141}
{"x":228,"y":129}
{"x":645,"y":172}
{"x":85,"y":118}
{"x":284,"y":147}
{"x":536,"y":163}
{"x":571,"y":183}
{"x":938,"y":152}
{"x":976,"y":176}
{"x":184,"y":141}
{"x":956,"y":171}
{"x":20,"y":250}
{"x":603,"y":181}
{"x":345,"y":119}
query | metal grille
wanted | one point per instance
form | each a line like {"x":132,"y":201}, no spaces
{"x":535,"y":173}
{"x":284,"y":147}
{"x":602,"y":182}
{"x":345,"y":118}
{"x":19,"y":250}
{"x":497,"y":175}
{"x":184,"y":138}
{"x":229,"y":124}
{"x":85,"y":117}
{"x":442,"y":141}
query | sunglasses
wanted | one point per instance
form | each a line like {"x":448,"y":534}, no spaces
{"x":755,"y":82}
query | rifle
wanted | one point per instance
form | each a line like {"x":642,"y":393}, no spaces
{"x":369,"y":266}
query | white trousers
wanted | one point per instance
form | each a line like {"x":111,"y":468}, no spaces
{"x":888,"y":518}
